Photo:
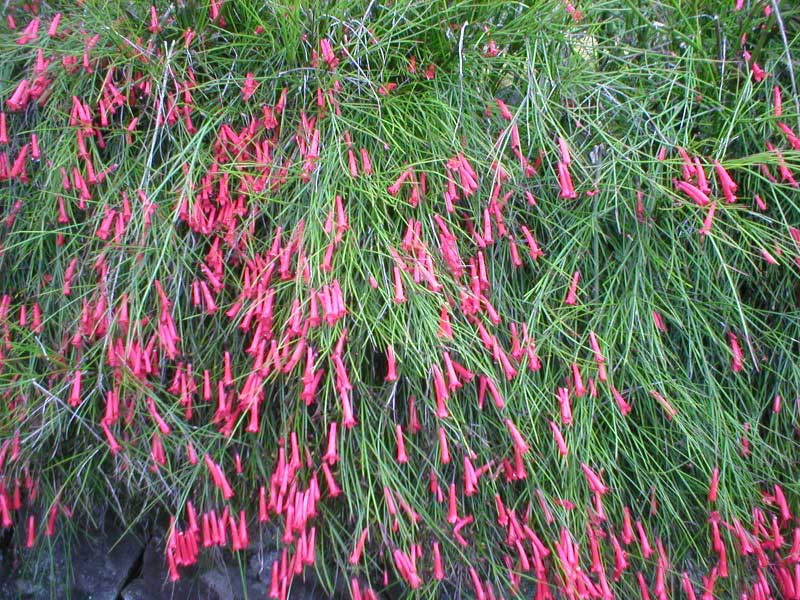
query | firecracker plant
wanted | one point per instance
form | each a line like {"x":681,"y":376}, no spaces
{"x":488,"y":298}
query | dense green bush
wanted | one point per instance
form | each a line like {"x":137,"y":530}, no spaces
{"x":493,"y":295}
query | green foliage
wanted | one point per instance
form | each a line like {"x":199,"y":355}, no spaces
{"x":627,"y":87}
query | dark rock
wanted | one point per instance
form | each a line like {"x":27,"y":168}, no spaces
{"x":227,"y":583}
{"x":102,"y":564}
{"x":153,"y":582}
{"x":260,"y":563}
{"x":93,"y":565}
{"x":306,"y":587}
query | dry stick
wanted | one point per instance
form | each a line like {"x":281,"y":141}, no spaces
{"x":782,"y":29}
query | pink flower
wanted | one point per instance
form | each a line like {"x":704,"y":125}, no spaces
{"x":727,"y":184}
{"x":519,"y":443}
{"x":75,"y":393}
{"x":391,"y":374}
{"x":331,"y":455}
{"x":708,"y":221}
{"x":577,"y":381}
{"x":249,"y":87}
{"x":402,"y":457}
{"x":765,"y":254}
{"x":327,"y":53}
{"x":565,"y":181}
{"x":712,"y":489}
{"x":399,"y":294}
{"x":535,"y":251}
{"x":595,"y":483}
{"x":659,"y":321}
{"x":355,"y":557}
{"x":695,"y":194}
{"x":670,"y":411}
{"x":504,"y":112}
{"x":622,"y":404}
{"x":572,"y":293}
{"x":566,"y":410}
{"x":559,"y":439}
{"x":738,"y":357}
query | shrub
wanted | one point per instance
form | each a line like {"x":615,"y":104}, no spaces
{"x":487,"y":294}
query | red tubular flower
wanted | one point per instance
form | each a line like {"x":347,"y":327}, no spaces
{"x":348,"y":419}
{"x":50,"y":528}
{"x":658,"y":320}
{"x":402,"y":457}
{"x":627,"y":526}
{"x":564,"y":148}
{"x":53,"y":28}
{"x":565,"y":181}
{"x":577,"y":381}
{"x":702,"y":182}
{"x":647,"y":550}
{"x":470,"y":478}
{"x":687,"y":586}
{"x":452,"y":506}
{"x":394,"y":189}
{"x":494,"y":392}
{"x":444,"y":452}
{"x":559,"y":439}
{"x":595,"y":483}
{"x":154,"y":25}
{"x":440,"y":390}
{"x":356,"y":555}
{"x":3,"y":129}
{"x":366,"y":164}
{"x":263,"y":511}
{"x":249,"y":87}
{"x":737,"y":364}
{"x":709,"y":219}
{"x":519,"y":442}
{"x":75,"y":393}
{"x":162,"y":425}
{"x":504,"y":112}
{"x":669,"y":410}
{"x":327,"y":53}
{"x":191,"y":454}
{"x":695,"y":194}
{"x":112,"y":441}
{"x":399,"y":294}
{"x":438,"y":571}
{"x":31,"y":537}
{"x":480,"y":593}
{"x":572,"y":293}
{"x":726,"y":183}
{"x":566,"y":409}
{"x":244,"y":538}
{"x":783,"y":505}
{"x":713,"y":486}
{"x":765,"y":254}
{"x":20,"y":97}
{"x":595,"y":345}
{"x":331,"y":455}
{"x":333,"y":489}
{"x":622,"y":404}
{"x":791,"y":137}
{"x":391,"y":374}
{"x":643,"y":591}
{"x":758,"y":73}
{"x":620,"y":558}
